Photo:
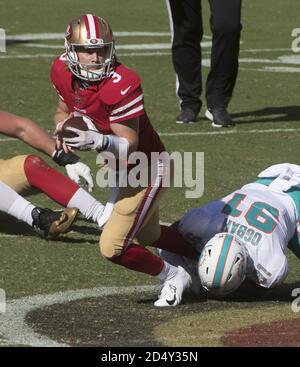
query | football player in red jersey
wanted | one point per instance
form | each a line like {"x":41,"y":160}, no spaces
{"x":24,"y":172}
{"x":90,"y":81}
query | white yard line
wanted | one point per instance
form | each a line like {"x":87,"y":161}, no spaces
{"x":267,"y":50}
{"x":15,"y":331}
{"x":152,"y":49}
{"x":199,"y":133}
{"x":231,"y":132}
{"x":5,"y":235}
{"x":60,"y":36}
{"x":133,"y":46}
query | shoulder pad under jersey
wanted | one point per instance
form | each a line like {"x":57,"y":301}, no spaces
{"x":122,"y":82}
{"x":59,"y":65}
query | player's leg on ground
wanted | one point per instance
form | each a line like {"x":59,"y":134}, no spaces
{"x":117,"y":242}
{"x":61,"y":188}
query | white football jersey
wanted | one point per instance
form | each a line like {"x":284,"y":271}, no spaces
{"x":262,"y":218}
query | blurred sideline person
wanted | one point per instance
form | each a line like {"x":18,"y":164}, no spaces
{"x":187,"y":31}
{"x":26,"y":172}
{"x":246,"y":234}
{"x":97,"y":86}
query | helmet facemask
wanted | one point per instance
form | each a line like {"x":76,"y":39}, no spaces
{"x":83,"y":71}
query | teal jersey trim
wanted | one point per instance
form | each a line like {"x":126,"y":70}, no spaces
{"x":265,"y":181}
{"x":294,"y":245}
{"x":293,"y":192}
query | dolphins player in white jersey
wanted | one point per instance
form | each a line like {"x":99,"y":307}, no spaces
{"x":246,"y":234}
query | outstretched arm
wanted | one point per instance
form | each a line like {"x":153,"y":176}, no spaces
{"x":27,"y":131}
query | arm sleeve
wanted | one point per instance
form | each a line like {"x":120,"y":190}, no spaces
{"x":55,"y":76}
{"x":130,"y":107}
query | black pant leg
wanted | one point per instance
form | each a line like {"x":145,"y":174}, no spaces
{"x":187,"y":31}
{"x":226,"y":27}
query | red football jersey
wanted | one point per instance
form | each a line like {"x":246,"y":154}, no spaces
{"x":112,"y":100}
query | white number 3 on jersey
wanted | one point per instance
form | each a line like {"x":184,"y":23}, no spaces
{"x":116,"y":77}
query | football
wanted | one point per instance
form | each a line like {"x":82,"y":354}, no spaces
{"x":77,"y":122}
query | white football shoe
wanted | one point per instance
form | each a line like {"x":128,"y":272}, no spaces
{"x":209,"y":115}
{"x":173,"y":288}
{"x":188,"y":264}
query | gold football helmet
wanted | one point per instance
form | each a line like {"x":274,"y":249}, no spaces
{"x":89,"y":32}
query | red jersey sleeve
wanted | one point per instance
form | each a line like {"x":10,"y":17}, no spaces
{"x":130,"y":107}
{"x":57,"y":68}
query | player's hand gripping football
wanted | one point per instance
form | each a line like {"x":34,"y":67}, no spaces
{"x":89,"y":139}
{"x":64,"y":156}
{"x":57,"y":134}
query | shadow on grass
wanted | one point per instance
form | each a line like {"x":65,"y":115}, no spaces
{"x":249,"y":292}
{"x":10,"y":226}
{"x":268,"y":114}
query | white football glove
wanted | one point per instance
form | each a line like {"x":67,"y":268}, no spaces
{"x":79,"y":170}
{"x":86,"y":140}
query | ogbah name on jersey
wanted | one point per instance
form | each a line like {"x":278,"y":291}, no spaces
{"x":245,"y":233}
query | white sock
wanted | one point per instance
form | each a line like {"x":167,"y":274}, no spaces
{"x":168,"y":272}
{"x":14,"y":204}
{"x":88,"y":206}
{"x":22,"y":209}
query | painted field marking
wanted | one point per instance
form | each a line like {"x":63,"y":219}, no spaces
{"x":60,"y":36}
{"x":199,"y":133}
{"x":230,"y":132}
{"x":156,"y":50}
{"x":134,"y":46}
{"x":205,"y":62}
{"x":5,"y":235}
{"x":15,"y":331}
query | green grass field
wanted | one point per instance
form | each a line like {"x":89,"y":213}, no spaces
{"x":266,"y":110}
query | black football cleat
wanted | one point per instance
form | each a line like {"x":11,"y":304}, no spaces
{"x":187,"y":116}
{"x":219,"y":117}
{"x":49,"y":224}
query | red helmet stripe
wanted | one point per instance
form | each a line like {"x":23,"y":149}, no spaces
{"x":92,"y":27}
{"x":87,"y":26}
{"x":97,"y":30}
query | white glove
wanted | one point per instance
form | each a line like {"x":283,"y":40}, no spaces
{"x":77,"y":170}
{"x":86,"y":140}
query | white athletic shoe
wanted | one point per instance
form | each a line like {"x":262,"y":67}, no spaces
{"x":172,"y":289}
{"x":219,"y":117}
{"x":188,"y":264}
{"x":209,"y":115}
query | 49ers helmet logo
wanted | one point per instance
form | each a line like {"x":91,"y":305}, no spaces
{"x":69,"y":32}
